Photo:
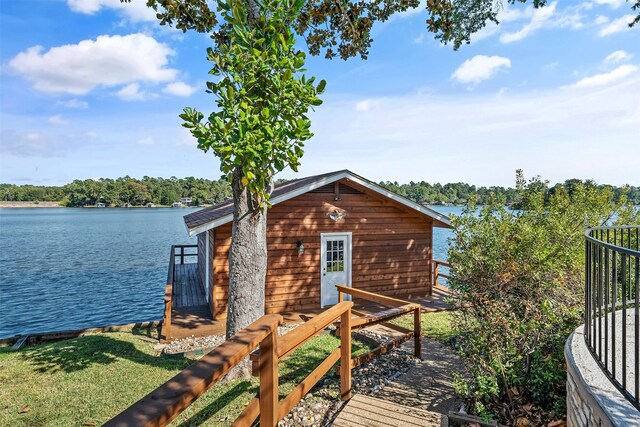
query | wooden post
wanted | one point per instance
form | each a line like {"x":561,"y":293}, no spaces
{"x":435,"y":274}
{"x":166,"y":325}
{"x":340,"y":296}
{"x":345,"y":355}
{"x":269,"y":380}
{"x":417,"y":343}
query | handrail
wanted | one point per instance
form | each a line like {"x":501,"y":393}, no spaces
{"x":370,"y":296}
{"x":612,"y":305}
{"x":168,"y":298}
{"x":182,"y":254}
{"x":169,"y":288}
{"x":166,"y":402}
{"x":436,"y":271}
{"x":590,"y":233}
{"x":442,"y":263}
{"x":401,"y":308}
{"x":296,"y":337}
{"x":169,"y":400}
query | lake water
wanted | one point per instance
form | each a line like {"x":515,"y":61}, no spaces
{"x":67,"y":268}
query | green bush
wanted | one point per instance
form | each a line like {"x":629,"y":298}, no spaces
{"x":519,"y":276}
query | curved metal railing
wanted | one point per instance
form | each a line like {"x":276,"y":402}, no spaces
{"x":612,"y":305}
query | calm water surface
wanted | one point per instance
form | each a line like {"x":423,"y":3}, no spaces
{"x":76,"y":268}
{"x":73,"y":268}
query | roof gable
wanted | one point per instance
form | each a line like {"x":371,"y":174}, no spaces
{"x":212,"y":217}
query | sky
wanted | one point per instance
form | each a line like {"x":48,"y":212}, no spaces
{"x":93,"y":88}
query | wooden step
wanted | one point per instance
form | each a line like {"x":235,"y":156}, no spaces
{"x":367,"y":411}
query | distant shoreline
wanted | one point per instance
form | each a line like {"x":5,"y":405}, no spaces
{"x":30,"y":204}
{"x":17,"y":205}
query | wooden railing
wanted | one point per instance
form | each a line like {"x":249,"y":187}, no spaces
{"x":177,"y":251}
{"x":436,"y":272}
{"x":400,"y":308}
{"x":168,"y":299}
{"x":169,"y":400}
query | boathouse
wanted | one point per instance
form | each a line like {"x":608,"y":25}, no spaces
{"x":335,"y":228}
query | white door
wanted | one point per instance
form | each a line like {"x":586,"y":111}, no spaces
{"x":335,"y":266}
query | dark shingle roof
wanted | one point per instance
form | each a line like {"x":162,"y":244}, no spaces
{"x":225,"y":208}
{"x":208,"y":218}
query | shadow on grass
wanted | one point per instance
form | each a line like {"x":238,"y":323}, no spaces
{"x":204,"y":415}
{"x":81,"y":353}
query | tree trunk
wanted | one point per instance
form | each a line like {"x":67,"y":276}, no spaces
{"x":247,"y":264}
{"x":247,"y":256}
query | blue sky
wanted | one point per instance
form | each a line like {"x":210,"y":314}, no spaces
{"x":93,"y":88}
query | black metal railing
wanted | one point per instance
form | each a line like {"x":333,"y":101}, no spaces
{"x":181,"y":252}
{"x":612,"y":304}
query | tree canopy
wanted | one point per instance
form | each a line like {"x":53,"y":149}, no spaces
{"x":343,"y":28}
{"x":263,"y":98}
{"x":165,"y":191}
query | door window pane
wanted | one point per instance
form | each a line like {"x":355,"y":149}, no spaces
{"x":335,"y":256}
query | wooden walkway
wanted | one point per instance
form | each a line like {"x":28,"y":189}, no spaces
{"x":187,"y":289}
{"x":191,"y":315}
{"x":419,"y":397}
{"x":367,"y":411}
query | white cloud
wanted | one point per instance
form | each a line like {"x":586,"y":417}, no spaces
{"x":483,"y":138}
{"x":132,"y":92}
{"x":511,"y":13}
{"x":601,"y":20}
{"x":487,"y":31}
{"x":136,"y":11}
{"x":538,"y":20}
{"x":479,"y":68}
{"x":74,"y":103}
{"x":58,"y":120}
{"x":187,"y":139}
{"x":366,"y":104}
{"x":179,"y":89}
{"x":611,"y":3}
{"x":30,"y":143}
{"x":146,"y":141}
{"x":616,"y":26}
{"x":617,"y":56}
{"x":549,"y":16}
{"x":106,"y":61}
{"x":609,"y":78}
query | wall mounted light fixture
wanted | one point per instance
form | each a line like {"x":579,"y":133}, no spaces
{"x":300,"y":247}
{"x":337,"y":214}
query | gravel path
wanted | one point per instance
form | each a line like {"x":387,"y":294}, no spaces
{"x":192,"y":343}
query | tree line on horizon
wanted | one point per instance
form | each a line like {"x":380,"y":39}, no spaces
{"x":164,"y":192}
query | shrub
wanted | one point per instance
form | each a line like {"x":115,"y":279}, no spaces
{"x":518,"y":275}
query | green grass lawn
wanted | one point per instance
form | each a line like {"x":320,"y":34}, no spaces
{"x":91,"y":379}
{"x":436,"y":326}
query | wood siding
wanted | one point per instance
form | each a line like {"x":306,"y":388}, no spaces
{"x":391,"y":249}
{"x":212,"y":300}
{"x":202,"y":258}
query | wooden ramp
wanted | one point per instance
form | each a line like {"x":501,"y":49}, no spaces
{"x":366,"y":411}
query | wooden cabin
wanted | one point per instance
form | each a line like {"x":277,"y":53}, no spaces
{"x":335,"y":228}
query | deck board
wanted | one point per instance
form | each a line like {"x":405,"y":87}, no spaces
{"x":372,"y":412}
{"x":187,"y":289}
{"x":191,"y":315}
